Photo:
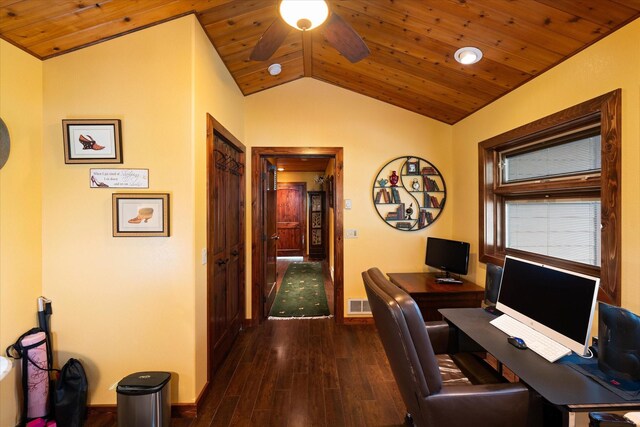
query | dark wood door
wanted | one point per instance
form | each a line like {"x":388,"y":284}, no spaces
{"x":291,"y":216}
{"x":271,"y":237}
{"x":225,"y":246}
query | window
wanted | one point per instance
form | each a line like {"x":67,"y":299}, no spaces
{"x":565,"y":229}
{"x":550,"y":191}
{"x":579,"y":156}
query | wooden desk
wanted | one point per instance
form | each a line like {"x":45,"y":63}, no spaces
{"x":431,"y":296}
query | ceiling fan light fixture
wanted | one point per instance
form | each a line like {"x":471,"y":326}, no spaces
{"x":304,"y":15}
{"x":468,"y":55}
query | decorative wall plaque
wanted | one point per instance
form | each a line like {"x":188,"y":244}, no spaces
{"x":119,"y":178}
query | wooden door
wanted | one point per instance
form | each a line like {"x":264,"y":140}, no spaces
{"x":225,"y":244}
{"x":291,"y":217}
{"x":271,"y":237}
{"x":235,"y":243}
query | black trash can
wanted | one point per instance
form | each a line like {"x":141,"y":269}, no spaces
{"x":144,"y":400}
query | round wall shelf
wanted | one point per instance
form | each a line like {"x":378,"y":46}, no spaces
{"x":409,"y":193}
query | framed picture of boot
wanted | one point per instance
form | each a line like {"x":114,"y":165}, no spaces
{"x":92,"y":141}
{"x":140,"y":214}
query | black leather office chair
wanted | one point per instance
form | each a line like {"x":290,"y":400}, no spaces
{"x":605,"y":419}
{"x":618,"y":342}
{"x":492,"y":284}
{"x":407,"y":341}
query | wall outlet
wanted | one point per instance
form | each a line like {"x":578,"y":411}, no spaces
{"x":351,"y":233}
{"x":204,"y":256}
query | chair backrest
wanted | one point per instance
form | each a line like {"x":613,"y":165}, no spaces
{"x":618,"y":342}
{"x":405,"y":339}
{"x":492,"y":283}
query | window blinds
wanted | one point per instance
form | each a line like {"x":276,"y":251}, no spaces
{"x":570,"y":158}
{"x":567,"y":229}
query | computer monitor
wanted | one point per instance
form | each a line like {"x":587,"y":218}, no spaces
{"x":449,"y":256}
{"x":557,"y":303}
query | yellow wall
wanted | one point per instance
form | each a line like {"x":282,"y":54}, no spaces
{"x":131,"y":304}
{"x":611,"y":63}
{"x":310,"y":113}
{"x":20,"y":209}
{"x":215,"y":92}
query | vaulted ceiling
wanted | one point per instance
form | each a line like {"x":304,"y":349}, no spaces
{"x":412,"y":42}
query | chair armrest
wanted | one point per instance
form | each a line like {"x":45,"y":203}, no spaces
{"x":491,"y":405}
{"x":440,"y":336}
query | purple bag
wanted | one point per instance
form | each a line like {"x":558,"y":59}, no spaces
{"x":31,"y":347}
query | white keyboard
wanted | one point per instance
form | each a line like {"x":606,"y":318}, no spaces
{"x":539,"y":343}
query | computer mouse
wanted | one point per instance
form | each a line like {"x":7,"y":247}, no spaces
{"x":517,"y":343}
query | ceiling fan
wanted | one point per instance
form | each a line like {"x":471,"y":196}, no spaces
{"x":305,"y":15}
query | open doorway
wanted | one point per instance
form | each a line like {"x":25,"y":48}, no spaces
{"x":325,"y":185}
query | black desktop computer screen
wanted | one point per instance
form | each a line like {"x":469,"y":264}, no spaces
{"x":556,"y":302}
{"x":450,"y":256}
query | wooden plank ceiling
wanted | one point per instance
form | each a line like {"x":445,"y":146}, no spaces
{"x":412,"y":42}
{"x":302,"y":164}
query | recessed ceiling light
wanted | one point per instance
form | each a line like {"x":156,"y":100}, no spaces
{"x":274,"y":69}
{"x":280,"y":169}
{"x":468,"y":55}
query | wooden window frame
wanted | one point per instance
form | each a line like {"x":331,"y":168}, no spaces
{"x":605,"y":109}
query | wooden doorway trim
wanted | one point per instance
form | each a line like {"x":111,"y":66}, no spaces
{"x":257,"y":257}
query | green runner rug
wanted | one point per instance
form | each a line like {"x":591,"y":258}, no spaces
{"x":301,"y":293}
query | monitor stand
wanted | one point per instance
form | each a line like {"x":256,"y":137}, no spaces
{"x":444,"y":274}
{"x":445,"y":277}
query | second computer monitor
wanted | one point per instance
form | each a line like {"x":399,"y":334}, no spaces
{"x":449,"y":256}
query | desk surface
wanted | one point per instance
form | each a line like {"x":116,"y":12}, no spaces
{"x":431,"y":296}
{"x":425,"y":283}
{"x":559,"y":384}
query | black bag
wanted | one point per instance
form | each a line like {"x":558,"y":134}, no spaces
{"x":71,"y":395}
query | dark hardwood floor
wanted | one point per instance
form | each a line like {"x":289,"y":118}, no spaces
{"x":304,"y":373}
{"x":299,"y":373}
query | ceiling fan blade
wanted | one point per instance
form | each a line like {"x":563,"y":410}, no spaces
{"x":344,"y":38}
{"x":270,"y":40}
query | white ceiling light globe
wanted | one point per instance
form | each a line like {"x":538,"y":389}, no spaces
{"x":304,"y":14}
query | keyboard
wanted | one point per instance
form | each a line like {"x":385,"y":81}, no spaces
{"x":539,"y":343}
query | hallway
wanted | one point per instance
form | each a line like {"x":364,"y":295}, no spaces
{"x":282,"y":264}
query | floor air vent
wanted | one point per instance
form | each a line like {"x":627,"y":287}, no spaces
{"x":359,"y":306}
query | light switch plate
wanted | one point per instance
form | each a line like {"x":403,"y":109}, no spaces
{"x":204,"y":256}
{"x":347,"y":203}
{"x":351,"y":233}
